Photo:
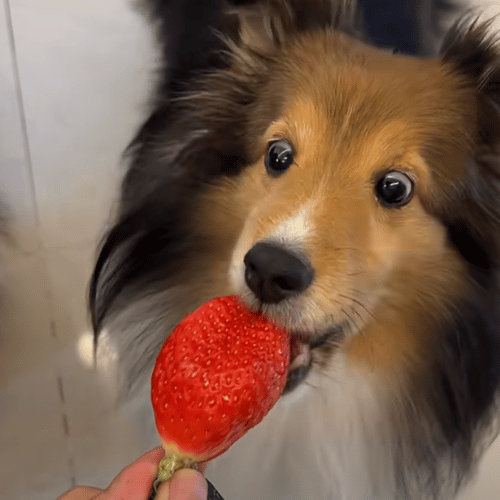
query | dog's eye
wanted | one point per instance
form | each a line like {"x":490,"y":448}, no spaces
{"x":279,"y":157}
{"x":394,"y":189}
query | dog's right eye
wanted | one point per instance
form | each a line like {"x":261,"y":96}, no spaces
{"x":279,"y":157}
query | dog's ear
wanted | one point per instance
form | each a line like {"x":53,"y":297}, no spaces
{"x":471,"y":50}
{"x":265,"y":24}
{"x":474,"y":51}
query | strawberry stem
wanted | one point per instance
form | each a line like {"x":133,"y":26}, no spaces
{"x":171,"y":463}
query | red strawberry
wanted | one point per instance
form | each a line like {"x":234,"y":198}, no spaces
{"x":218,"y":374}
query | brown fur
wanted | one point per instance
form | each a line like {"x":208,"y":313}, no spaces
{"x":352,"y":112}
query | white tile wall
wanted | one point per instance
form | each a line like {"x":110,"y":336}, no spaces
{"x":15,"y":170}
{"x":74,"y":76}
{"x":84,"y":68}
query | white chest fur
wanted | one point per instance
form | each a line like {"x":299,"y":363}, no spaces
{"x":328,"y":440}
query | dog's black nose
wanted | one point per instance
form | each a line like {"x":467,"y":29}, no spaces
{"x":273,"y":273}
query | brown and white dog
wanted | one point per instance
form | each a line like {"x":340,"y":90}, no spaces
{"x":353,"y":195}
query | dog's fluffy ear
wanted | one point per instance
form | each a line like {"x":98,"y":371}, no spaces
{"x":473,"y":51}
{"x":266,"y":24}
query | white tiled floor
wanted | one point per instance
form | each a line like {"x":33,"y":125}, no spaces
{"x":74,"y":77}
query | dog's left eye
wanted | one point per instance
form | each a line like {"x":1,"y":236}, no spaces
{"x":279,"y":157}
{"x":394,"y":189}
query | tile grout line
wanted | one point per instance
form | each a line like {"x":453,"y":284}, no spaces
{"x":60,"y":386}
{"x":20,"y":103}
{"x":71,"y":458}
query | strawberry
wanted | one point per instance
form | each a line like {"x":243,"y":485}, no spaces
{"x":218,"y":374}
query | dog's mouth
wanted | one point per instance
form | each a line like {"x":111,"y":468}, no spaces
{"x":304,"y":348}
{"x":301,"y":355}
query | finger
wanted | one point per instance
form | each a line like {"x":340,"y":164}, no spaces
{"x":81,"y":493}
{"x":153,"y":456}
{"x":187,"y":484}
{"x":163,"y":491}
{"x":134,"y":482}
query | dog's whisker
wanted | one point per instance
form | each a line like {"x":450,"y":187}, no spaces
{"x":358,"y":302}
{"x":357,"y":313}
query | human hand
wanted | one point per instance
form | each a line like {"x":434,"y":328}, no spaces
{"x":135,"y":481}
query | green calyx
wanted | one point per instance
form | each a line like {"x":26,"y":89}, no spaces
{"x":169,"y":465}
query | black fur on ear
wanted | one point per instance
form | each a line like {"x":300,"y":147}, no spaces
{"x":472,"y":51}
{"x":472,"y":48}
{"x":267,"y":24}
{"x":185,"y":33}
{"x":189,"y":31}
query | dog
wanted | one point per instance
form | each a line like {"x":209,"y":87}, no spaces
{"x":352,"y":194}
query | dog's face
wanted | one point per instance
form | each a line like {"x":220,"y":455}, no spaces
{"x":340,"y":237}
{"x":343,"y":190}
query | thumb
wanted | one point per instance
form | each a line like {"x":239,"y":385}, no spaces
{"x":134,"y":482}
{"x":186,"y":484}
